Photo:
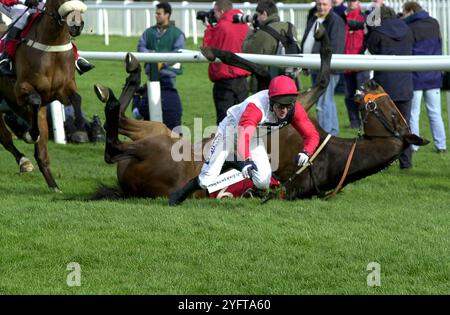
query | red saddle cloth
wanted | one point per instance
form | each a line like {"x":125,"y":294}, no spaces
{"x":241,"y":189}
{"x":11,"y":48}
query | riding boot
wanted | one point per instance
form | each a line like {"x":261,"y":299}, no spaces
{"x":179,"y":196}
{"x":82,"y":65}
{"x":11,"y":41}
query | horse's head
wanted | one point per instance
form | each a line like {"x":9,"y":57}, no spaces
{"x":68,"y":12}
{"x":381,"y":118}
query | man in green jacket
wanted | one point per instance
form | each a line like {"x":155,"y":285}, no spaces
{"x":164,"y":37}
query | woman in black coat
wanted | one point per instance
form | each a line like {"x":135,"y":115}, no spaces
{"x":393,"y":37}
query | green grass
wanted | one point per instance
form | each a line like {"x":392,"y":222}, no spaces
{"x":399,"y":219}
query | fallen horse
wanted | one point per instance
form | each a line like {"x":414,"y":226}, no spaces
{"x":145,"y":167}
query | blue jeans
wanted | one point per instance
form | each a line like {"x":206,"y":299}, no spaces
{"x":326,"y":108}
{"x":433,"y":108}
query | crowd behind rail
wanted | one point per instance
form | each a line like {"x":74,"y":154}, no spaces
{"x":129,"y":18}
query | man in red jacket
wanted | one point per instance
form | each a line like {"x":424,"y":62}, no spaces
{"x":230,"y":84}
{"x":275,"y":107}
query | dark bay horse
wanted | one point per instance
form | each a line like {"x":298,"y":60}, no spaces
{"x":45,"y":71}
{"x":386,"y":135}
{"x":146,"y":168}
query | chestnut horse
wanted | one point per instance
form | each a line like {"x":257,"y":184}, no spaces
{"x":45,"y":72}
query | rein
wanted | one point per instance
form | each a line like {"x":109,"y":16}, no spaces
{"x":301,"y":169}
{"x":344,"y":174}
{"x":49,"y":48}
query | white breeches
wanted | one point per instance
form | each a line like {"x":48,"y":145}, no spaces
{"x":223,"y":148}
{"x":14,"y":12}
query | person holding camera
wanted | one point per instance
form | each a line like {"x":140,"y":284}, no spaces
{"x":260,"y":41}
{"x":165,"y":37}
{"x":230,"y":83}
{"x":354,"y":44}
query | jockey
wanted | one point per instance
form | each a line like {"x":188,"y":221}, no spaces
{"x":17,"y":11}
{"x":277,"y":107}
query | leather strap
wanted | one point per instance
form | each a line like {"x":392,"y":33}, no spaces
{"x":344,"y":175}
{"x":46,"y":48}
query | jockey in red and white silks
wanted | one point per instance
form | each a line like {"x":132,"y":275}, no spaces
{"x":14,"y":9}
{"x":276,"y":107}
{"x":245,"y":118}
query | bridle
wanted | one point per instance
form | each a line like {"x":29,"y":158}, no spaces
{"x":372,"y":106}
{"x":53,"y":15}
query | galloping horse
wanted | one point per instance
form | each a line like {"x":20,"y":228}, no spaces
{"x":45,"y":71}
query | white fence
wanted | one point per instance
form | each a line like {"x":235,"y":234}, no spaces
{"x":132,"y":18}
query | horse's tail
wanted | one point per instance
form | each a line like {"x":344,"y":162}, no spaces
{"x":110,"y":193}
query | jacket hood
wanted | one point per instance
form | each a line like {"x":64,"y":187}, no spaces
{"x":417,"y":16}
{"x":393,"y":28}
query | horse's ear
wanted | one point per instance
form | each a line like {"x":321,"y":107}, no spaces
{"x":414,"y":139}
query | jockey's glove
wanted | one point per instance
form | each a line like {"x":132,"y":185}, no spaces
{"x":29,"y":3}
{"x":302,"y":158}
{"x":249,"y":167}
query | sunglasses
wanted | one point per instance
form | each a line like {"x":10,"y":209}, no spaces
{"x":279,"y":106}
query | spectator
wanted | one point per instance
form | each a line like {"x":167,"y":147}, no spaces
{"x":393,"y":37}
{"x":339,"y":8}
{"x":354,"y":44}
{"x":261,"y":42}
{"x":165,"y":37}
{"x":427,"y":41}
{"x":335,"y":26}
{"x":230,"y":83}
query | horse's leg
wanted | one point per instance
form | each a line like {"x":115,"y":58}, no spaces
{"x":229,"y":58}
{"x":34,"y":100}
{"x":113,"y":146}
{"x":310,"y":97}
{"x":81,"y":134}
{"x":41,"y":151}
{"x":6,"y":140}
{"x":132,"y":83}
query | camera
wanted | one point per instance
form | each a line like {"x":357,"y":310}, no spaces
{"x":242,"y":19}
{"x":207,"y":15}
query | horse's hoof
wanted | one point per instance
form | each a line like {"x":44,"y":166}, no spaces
{"x":79,"y":137}
{"x":208,"y":53}
{"x":25,"y":165}
{"x":102,"y":92}
{"x":131,"y":63}
{"x":29,"y":139}
{"x":56,"y":190}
